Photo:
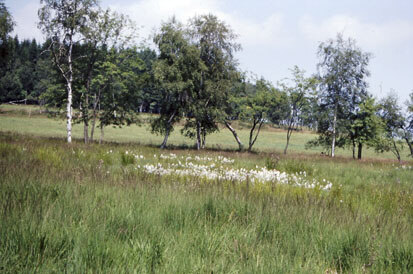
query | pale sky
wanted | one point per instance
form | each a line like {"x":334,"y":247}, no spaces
{"x":276,"y":35}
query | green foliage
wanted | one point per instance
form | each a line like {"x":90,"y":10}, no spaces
{"x":6,"y":22}
{"x":260,"y":105}
{"x":11,"y":87}
{"x":216,"y":44}
{"x":19,"y":76}
{"x":256,"y":106}
{"x":193,"y":74}
{"x":393,"y":123}
{"x":366,"y":127}
{"x":343,"y":86}
{"x":177,"y":72}
{"x":6,"y":27}
{"x":408,"y":129}
{"x":297,"y":102}
{"x":116,"y":87}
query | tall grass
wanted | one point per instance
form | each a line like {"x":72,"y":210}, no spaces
{"x":77,"y":208}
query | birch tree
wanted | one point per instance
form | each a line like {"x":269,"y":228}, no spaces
{"x":104,"y":30}
{"x":216,"y":42}
{"x":408,"y":129}
{"x":177,"y":71}
{"x":297,"y":94}
{"x":62,"y":22}
{"x":260,"y":107}
{"x":391,"y":115}
{"x":342,"y":71}
{"x":365,"y":127}
{"x":232,"y":108}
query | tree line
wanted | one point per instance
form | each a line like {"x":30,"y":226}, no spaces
{"x":91,"y":69}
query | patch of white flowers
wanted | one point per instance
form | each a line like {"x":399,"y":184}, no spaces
{"x":215,"y":170}
{"x":219,"y":159}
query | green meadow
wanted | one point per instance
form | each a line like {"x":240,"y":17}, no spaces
{"x":94,"y":208}
{"x":33,"y":121}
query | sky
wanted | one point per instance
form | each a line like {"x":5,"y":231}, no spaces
{"x":277,"y":35}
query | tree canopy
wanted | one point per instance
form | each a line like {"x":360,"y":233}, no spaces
{"x":91,"y":68}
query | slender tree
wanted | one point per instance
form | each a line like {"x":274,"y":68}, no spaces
{"x":259,"y":107}
{"x":215,"y":41}
{"x":104,"y":30}
{"x":115,"y":85}
{"x":63,"y":23}
{"x":408,"y":127}
{"x":391,"y":115}
{"x":365,"y":126}
{"x":342,"y":71}
{"x":232,"y":108}
{"x":297,"y":99}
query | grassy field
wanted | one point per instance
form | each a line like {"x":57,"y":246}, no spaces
{"x":29,"y":120}
{"x":79,"y":208}
{"x":130,"y":207}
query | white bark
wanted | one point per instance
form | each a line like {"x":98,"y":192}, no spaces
{"x":240,"y":145}
{"x":69,"y":91}
{"x":69,"y":112}
{"x":333,"y":143}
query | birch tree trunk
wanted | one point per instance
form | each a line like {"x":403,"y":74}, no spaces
{"x":409,"y":143}
{"x":396,"y":151}
{"x":203,"y":138}
{"x":168,"y":129}
{"x":198,"y":135}
{"x":234,"y":133}
{"x":69,"y":80}
{"x":333,"y":142}
{"x":253,"y":139}
{"x":289,"y":132}
{"x":165,"y":140}
{"x":69,"y":112}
